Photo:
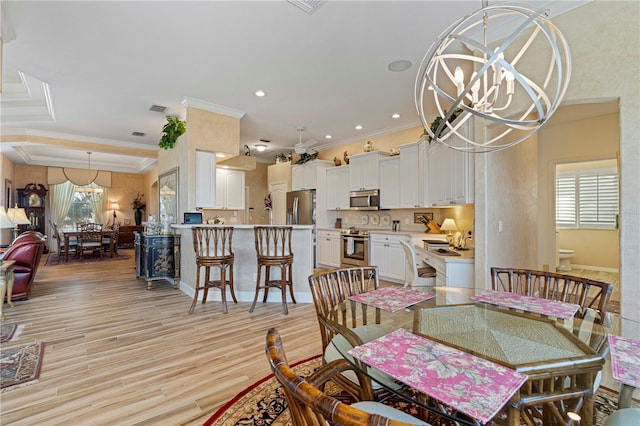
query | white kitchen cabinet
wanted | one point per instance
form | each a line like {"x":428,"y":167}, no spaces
{"x":412,"y":177}
{"x":337,"y":188}
{"x":328,"y":243}
{"x":229,"y":189}
{"x":387,"y":254}
{"x":390,"y":183}
{"x":304,"y":176}
{"x":364,"y":170}
{"x":450,"y":173}
{"x":206,"y":179}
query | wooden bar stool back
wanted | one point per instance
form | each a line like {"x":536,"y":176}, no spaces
{"x":273,"y":249}
{"x":213,"y":248}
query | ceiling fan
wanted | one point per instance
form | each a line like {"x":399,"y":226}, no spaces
{"x":304,"y":147}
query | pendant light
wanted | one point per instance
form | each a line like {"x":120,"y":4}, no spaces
{"x":88,"y":189}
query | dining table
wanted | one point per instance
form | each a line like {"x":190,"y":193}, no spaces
{"x":485,"y":361}
{"x":68,"y":234}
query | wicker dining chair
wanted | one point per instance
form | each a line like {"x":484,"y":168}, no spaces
{"x":551,"y":285}
{"x":344,"y":326}
{"x":309,"y":406}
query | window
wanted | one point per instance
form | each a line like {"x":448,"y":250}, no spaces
{"x":587,"y":198}
{"x":81,"y":211}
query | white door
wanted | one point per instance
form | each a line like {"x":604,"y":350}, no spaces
{"x":278,"y":192}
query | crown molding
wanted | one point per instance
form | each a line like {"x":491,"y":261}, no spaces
{"x":370,"y":135}
{"x":211,"y":107}
{"x":23,"y":134}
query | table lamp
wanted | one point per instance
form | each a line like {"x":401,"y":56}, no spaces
{"x":449,"y":225}
{"x":5,"y":222}
{"x":18,"y":216}
{"x":114,"y":206}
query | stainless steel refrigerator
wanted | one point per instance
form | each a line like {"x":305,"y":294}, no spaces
{"x":301,"y":207}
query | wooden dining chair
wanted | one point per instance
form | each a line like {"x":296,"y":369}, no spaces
{"x":111,"y":240}
{"x":310,"y":406}
{"x":273,"y":250}
{"x":342,"y":326}
{"x":90,"y":241}
{"x":62,"y":251}
{"x":553,"y":286}
{"x":89,"y":227}
{"x":213,"y":247}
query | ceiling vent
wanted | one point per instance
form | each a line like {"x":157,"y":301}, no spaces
{"x":138,"y":134}
{"x":158,"y":108}
{"x":265,"y":140}
{"x":309,"y":6}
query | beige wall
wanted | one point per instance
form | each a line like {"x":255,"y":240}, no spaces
{"x":605,"y":42}
{"x":6,"y":173}
{"x":593,"y":247}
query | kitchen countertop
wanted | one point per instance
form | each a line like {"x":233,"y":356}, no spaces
{"x":237,"y":226}
{"x":412,"y":234}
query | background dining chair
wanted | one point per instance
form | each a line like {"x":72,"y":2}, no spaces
{"x":90,"y":241}
{"x":417,"y":277}
{"x":214,"y":249}
{"x":112,"y":238}
{"x":553,"y":286}
{"x":273,"y":250}
{"x":62,"y":251}
{"x":342,"y":327}
{"x":308,"y":405}
{"x":89,"y":227}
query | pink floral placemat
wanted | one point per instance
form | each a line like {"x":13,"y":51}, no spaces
{"x":625,"y":360}
{"x":472,"y":385}
{"x":537,"y":305}
{"x":392,"y":298}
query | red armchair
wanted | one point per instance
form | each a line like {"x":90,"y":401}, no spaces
{"x":27,"y":252}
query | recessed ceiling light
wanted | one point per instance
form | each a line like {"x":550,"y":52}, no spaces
{"x":328,"y":136}
{"x":260,"y":147}
{"x":220,"y":155}
{"x":396,"y":115}
{"x":260,"y":93}
{"x":399,"y":65}
{"x":358,"y":127}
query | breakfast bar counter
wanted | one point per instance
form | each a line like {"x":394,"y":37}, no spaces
{"x":245,"y":263}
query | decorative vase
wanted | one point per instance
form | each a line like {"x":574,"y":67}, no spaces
{"x":137,"y":215}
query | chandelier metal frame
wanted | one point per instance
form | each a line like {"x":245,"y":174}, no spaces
{"x":498,"y":88}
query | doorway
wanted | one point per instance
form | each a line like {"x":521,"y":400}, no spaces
{"x":278,"y":192}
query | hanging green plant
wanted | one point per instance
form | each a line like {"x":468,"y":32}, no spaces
{"x":436,"y":122}
{"x":172,"y":131}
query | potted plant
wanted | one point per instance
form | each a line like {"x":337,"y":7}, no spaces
{"x":138,"y":205}
{"x":172,"y":131}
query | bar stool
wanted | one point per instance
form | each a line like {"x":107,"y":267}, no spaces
{"x":273,"y":249}
{"x":212,"y":246}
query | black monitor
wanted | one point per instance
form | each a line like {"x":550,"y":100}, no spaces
{"x":192,"y":218}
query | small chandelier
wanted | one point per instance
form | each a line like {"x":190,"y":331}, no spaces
{"x":88,"y":189}
{"x":514,"y":88}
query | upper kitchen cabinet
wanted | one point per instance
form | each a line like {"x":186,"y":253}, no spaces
{"x":304,"y":176}
{"x":337,"y":188}
{"x":413,"y":176}
{"x":229,"y":189}
{"x":206,"y":179}
{"x":390,"y":176}
{"x":450,"y":173}
{"x":364,"y":170}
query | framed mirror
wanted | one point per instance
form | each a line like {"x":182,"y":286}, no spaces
{"x":168,"y":196}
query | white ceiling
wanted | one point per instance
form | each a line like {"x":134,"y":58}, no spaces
{"x":90,"y":71}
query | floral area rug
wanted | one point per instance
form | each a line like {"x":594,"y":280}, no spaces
{"x":20,"y":365}
{"x":10,"y":332}
{"x":264,"y":402}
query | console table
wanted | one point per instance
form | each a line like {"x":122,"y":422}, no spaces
{"x":125,"y":235}
{"x":157,"y":258}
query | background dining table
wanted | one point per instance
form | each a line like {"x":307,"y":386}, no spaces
{"x":560,"y":357}
{"x":67,"y":234}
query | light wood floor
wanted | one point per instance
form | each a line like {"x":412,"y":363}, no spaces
{"x":607,"y":277}
{"x":118,"y":354}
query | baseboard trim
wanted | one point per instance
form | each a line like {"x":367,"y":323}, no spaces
{"x":596,"y":268}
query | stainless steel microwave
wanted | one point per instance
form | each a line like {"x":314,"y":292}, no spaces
{"x":364,"y":200}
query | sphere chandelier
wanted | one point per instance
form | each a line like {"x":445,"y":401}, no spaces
{"x":513,"y":87}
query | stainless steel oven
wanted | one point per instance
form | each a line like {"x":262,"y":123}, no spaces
{"x":354,"y":248}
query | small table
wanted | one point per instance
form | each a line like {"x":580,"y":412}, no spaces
{"x":106,"y":233}
{"x":6,"y":283}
